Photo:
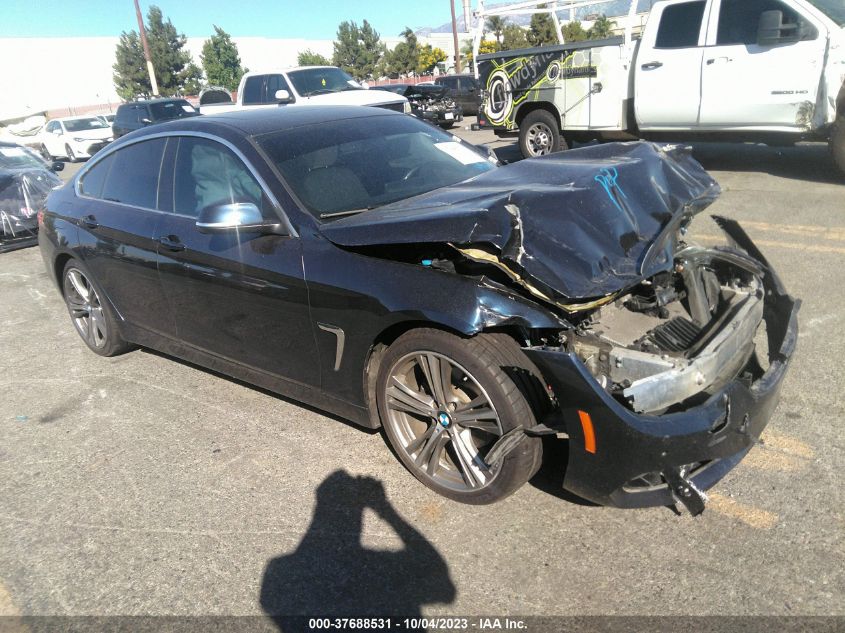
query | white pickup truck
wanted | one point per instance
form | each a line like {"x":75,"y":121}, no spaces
{"x":743,"y":70}
{"x":307,"y":85}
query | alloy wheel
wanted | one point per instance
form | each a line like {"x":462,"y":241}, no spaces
{"x":85,"y":307}
{"x":444,"y":420}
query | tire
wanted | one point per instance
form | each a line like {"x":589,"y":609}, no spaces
{"x":539,"y":134}
{"x":71,"y":157}
{"x":428,"y":426}
{"x":45,"y":153}
{"x":91,"y":316}
{"x":837,"y":143}
{"x":447,"y":125}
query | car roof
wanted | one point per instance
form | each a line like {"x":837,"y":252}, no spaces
{"x":157,"y":100}
{"x":254,"y":122}
{"x":75,"y":118}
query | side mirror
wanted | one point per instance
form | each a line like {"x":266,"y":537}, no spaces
{"x":146,"y":121}
{"x":772,"y":31}
{"x":234,"y":216}
{"x":283,"y":96}
{"x":57,"y":166}
{"x":57,"y":131}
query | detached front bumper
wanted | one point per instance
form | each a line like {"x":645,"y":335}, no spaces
{"x":441,"y":117}
{"x":629,"y":460}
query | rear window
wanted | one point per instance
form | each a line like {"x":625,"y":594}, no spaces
{"x":680,"y":25}
{"x":133,"y":177}
{"x":171,"y":110}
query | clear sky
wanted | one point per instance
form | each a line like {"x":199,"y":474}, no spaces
{"x":240,"y":18}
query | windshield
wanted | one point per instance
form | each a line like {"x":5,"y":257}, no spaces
{"x":352,"y":165}
{"x":834,"y":9}
{"x":19,"y":158}
{"x":80,"y":125}
{"x":313,"y":81}
{"x":172,"y":110}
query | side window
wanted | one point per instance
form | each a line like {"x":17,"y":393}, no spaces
{"x":253,"y":89}
{"x":274,"y":83}
{"x":680,"y":25}
{"x":133,"y":178}
{"x":92,"y":183}
{"x":739,"y":19}
{"x":51,"y":127}
{"x":208,"y":173}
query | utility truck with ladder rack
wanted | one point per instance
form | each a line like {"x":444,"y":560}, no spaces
{"x":737,"y":70}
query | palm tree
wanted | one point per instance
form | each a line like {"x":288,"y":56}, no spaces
{"x":602,"y":28}
{"x":496,"y":25}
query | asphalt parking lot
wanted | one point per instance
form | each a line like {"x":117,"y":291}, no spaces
{"x":140,"y":485}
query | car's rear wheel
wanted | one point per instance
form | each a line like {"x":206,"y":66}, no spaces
{"x":539,"y":134}
{"x":70,"y":154}
{"x":445,"y":401}
{"x":91,"y":315}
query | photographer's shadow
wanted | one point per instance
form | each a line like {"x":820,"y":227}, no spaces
{"x":330,"y":574}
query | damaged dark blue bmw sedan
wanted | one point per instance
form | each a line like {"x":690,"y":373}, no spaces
{"x":379,"y":268}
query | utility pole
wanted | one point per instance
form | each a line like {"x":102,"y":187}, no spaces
{"x":454,"y":35}
{"x":146,"y":46}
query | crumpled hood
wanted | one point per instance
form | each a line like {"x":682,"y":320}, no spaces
{"x":581,"y":224}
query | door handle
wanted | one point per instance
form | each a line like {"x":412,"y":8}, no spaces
{"x":171,"y":243}
{"x":651,"y":65}
{"x":89,"y":222}
{"x":714,"y":60}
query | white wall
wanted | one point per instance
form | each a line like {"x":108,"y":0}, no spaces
{"x":51,"y":73}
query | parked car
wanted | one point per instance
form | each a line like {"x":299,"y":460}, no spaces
{"x":375,"y":266}
{"x":305,"y":86}
{"x":25,"y":181}
{"x":74,"y":137}
{"x":106,"y":118}
{"x":463,"y":89}
{"x":137,"y":114}
{"x":428,"y":102}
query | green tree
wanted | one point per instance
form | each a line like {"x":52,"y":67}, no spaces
{"x":173,"y":65}
{"x":541,"y":31}
{"x":405,"y":57}
{"x":602,"y":28}
{"x":310,"y":58}
{"x":574,"y":32}
{"x":496,"y":25}
{"x":429,"y":57}
{"x":221,"y":61}
{"x":358,"y":50}
{"x":486,"y":46}
{"x":514,"y":37}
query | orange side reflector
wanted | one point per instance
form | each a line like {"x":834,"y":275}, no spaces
{"x":589,"y":434}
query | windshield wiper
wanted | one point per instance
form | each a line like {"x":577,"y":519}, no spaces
{"x":338,"y":214}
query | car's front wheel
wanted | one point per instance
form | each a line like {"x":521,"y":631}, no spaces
{"x":91,"y":315}
{"x":45,"y":153}
{"x":71,"y":156}
{"x":445,"y":401}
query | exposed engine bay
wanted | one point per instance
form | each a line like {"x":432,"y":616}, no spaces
{"x":678,"y":334}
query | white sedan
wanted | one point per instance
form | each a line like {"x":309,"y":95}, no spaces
{"x":74,"y":137}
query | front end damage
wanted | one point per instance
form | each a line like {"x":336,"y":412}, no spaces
{"x":669,"y":356}
{"x":664,"y":391}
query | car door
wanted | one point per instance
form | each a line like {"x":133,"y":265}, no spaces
{"x":773,"y":84}
{"x":52,"y":139}
{"x":240,"y":296}
{"x":120,"y":195}
{"x":468,"y":94}
{"x":667,"y":76}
